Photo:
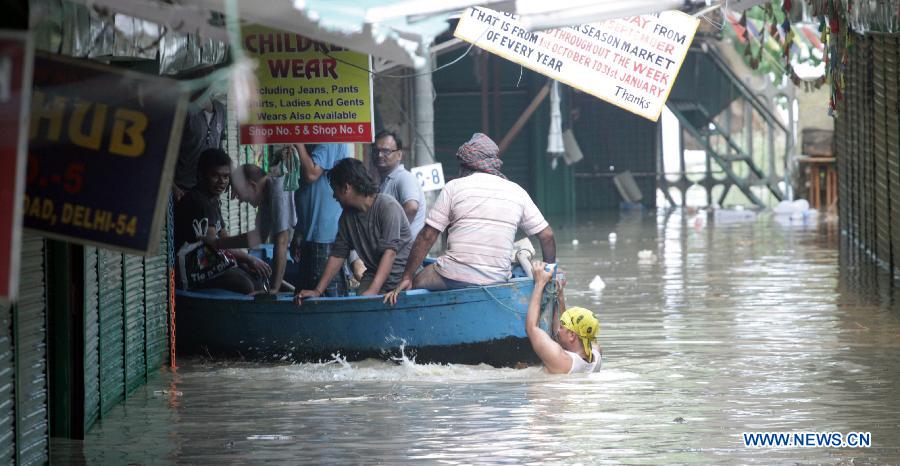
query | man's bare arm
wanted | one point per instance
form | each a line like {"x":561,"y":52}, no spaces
{"x":381,"y":275}
{"x":548,"y":244}
{"x":420,"y":249}
{"x":555,"y":359}
{"x":311,"y":172}
{"x":411,"y":208}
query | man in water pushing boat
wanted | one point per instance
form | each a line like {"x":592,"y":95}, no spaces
{"x":574,"y":350}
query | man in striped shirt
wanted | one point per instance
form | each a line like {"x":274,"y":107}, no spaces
{"x":481,"y":212}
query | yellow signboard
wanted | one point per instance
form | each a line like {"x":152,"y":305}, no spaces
{"x":630,"y":62}
{"x":309,"y":91}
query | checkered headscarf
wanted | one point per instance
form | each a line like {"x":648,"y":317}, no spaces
{"x":479,"y":154}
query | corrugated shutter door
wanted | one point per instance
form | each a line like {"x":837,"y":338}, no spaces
{"x":7,"y":392}
{"x":30,"y":331}
{"x":133,"y":289}
{"x":156,"y":302}
{"x":231,"y":213}
{"x":112,"y":369}
{"x":91,"y":338}
{"x":231,"y":209}
{"x":248,"y":212}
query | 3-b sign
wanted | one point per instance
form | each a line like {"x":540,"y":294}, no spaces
{"x":431,"y":177}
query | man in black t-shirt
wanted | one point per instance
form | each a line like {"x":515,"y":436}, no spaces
{"x":202,"y":202}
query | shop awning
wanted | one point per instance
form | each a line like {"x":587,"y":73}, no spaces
{"x":398,"y":31}
{"x":395,"y":30}
{"x":543,"y":14}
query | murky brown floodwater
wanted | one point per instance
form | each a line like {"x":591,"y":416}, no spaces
{"x":732,"y":328}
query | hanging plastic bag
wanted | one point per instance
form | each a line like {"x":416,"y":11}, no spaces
{"x":286,"y":163}
{"x":198,"y":262}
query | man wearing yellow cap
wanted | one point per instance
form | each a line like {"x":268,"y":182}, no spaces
{"x":575,"y":349}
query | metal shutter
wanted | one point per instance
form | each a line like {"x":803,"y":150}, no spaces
{"x":133,"y":293}
{"x":112,"y":367}
{"x":7,"y":391}
{"x":30,"y":347}
{"x":156,"y":304}
{"x":91,"y":337}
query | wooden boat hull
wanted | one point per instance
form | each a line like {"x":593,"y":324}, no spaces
{"x":468,"y":326}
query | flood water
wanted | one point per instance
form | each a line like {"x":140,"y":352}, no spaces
{"x":744,"y":327}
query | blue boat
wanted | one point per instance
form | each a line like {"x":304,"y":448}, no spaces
{"x":467,"y":326}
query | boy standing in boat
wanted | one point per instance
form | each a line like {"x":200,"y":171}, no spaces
{"x":372,"y":224}
{"x":481,"y":211}
{"x":574,"y":350}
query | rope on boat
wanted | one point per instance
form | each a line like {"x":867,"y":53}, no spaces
{"x":549,"y":303}
{"x":513,"y":310}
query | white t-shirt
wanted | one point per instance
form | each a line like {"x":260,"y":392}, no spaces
{"x":482,"y":213}
{"x":579,"y":365}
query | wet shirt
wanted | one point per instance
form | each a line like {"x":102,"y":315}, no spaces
{"x":482,"y":213}
{"x":195,"y":206}
{"x":277,"y":212}
{"x":202,"y":130}
{"x":404,"y":187}
{"x":372,"y":233}
{"x":579,"y":365}
{"x":317,"y":210}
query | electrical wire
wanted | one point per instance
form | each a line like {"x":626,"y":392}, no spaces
{"x":412,"y":75}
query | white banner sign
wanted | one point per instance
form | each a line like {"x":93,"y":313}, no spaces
{"x":630,"y":62}
{"x":431,"y":177}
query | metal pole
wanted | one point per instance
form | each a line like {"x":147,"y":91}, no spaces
{"x":681,"y":164}
{"x":708,"y":177}
{"x":424,"y":130}
{"x":424,"y":114}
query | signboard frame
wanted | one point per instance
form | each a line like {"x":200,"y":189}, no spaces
{"x":161,"y":203}
{"x":17,"y":211}
{"x":500,"y":34}
{"x":287,"y":47}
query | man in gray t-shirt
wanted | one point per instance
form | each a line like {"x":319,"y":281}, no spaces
{"x":383,"y":227}
{"x":373,"y":224}
{"x":397,"y":181}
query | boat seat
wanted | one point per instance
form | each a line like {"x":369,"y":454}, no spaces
{"x":213,"y":293}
